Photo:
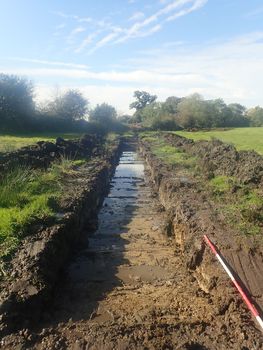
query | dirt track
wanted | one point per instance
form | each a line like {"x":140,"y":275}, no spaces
{"x":128,"y":287}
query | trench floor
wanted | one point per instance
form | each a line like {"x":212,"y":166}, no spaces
{"x":127,"y":287}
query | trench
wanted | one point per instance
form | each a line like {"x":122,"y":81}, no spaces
{"x":127,"y":285}
{"x":104,"y":261}
{"x":119,"y":274}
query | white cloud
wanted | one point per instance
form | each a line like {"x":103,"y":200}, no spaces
{"x":75,"y":32}
{"x":102,"y":42}
{"x":74,"y":17}
{"x":120,"y":97}
{"x":141,"y":27}
{"x":49,"y":63}
{"x":136,"y":16}
{"x":87,"y":41}
{"x":138,"y":28}
{"x":197,"y":5}
{"x":232,"y":70}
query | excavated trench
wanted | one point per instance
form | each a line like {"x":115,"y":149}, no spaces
{"x":127,"y":287}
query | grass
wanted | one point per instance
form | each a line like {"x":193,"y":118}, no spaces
{"x":169,"y":154}
{"x":245,"y":213}
{"x":242,"y":138}
{"x":10,"y":143}
{"x":221,"y":184}
{"x":174,"y":156}
{"x":241,"y":205}
{"x":29,"y":197}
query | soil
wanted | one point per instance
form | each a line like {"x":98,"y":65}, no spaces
{"x":130,"y":286}
{"x":43,"y":153}
{"x":219,"y":158}
{"x":30,"y":276}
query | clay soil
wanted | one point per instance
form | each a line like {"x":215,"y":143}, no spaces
{"x":128,"y":287}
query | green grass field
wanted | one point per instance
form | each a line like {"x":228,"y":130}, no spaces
{"x":30,"y":196}
{"x":10,"y":143}
{"x":242,"y":138}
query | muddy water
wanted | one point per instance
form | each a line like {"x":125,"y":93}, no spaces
{"x":112,"y":257}
{"x":127,"y":287}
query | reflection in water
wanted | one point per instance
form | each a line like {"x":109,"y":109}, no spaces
{"x":96,"y":268}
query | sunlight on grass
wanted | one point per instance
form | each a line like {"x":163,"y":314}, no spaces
{"x":221,"y":184}
{"x":242,"y":138}
{"x":174,"y":156}
{"x":242,"y":206}
{"x":9,"y":143}
{"x":29,"y":197}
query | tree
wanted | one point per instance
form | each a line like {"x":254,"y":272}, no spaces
{"x":143,"y":99}
{"x":16,"y":102}
{"x":125,"y":118}
{"x":193,"y":112}
{"x":171,"y":104}
{"x":103,"y":114}
{"x":70,"y":106}
{"x":238,"y":115}
{"x":156,"y":117}
{"x":255,"y":116}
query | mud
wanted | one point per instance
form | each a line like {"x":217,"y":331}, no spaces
{"x":190,"y":214}
{"x":31,"y":275}
{"x":129,"y":287}
{"x":218,"y":158}
{"x":43,"y":153}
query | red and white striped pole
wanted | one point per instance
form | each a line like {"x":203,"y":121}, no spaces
{"x":243,"y":295}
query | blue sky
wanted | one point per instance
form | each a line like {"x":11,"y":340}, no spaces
{"x":108,"y":49}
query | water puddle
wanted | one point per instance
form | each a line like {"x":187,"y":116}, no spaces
{"x":124,"y":199}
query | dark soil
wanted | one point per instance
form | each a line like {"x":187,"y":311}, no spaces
{"x":34,"y":270}
{"x":145,"y":279}
{"x":218,"y":158}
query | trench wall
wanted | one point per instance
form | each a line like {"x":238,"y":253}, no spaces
{"x":37,"y":265}
{"x":43,"y":153}
{"x":190,"y":215}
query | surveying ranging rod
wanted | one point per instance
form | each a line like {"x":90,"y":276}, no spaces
{"x":238,"y":287}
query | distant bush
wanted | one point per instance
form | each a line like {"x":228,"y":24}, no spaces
{"x":194,"y":112}
{"x":64,"y":113}
{"x":165,"y":124}
{"x":17,"y":107}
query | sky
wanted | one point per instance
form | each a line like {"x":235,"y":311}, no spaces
{"x":108,"y":49}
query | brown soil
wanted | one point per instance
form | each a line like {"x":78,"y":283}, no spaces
{"x":30,"y":276}
{"x":129,"y":286}
{"x":219,"y":158}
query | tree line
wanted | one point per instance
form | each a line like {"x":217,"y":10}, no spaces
{"x":66,"y":112}
{"x":70,"y":111}
{"x":191,"y":112}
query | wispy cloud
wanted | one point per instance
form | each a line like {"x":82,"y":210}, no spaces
{"x":137,"y":16}
{"x":49,"y":63}
{"x":196,"y":5}
{"x":74,"y":33}
{"x":71,"y":16}
{"x":106,"y":39}
{"x":213,"y":70}
{"x":111,"y":34}
{"x":86,"y":42}
{"x":141,"y":28}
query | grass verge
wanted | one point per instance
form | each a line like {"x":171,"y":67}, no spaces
{"x":242,"y":138}
{"x":28,"y":198}
{"x":167,"y":153}
{"x":241,"y":205}
{"x":9,"y":143}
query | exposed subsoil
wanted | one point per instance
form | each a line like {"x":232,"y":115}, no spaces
{"x":128,"y":286}
{"x":30,"y":276}
{"x":193,"y":206}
